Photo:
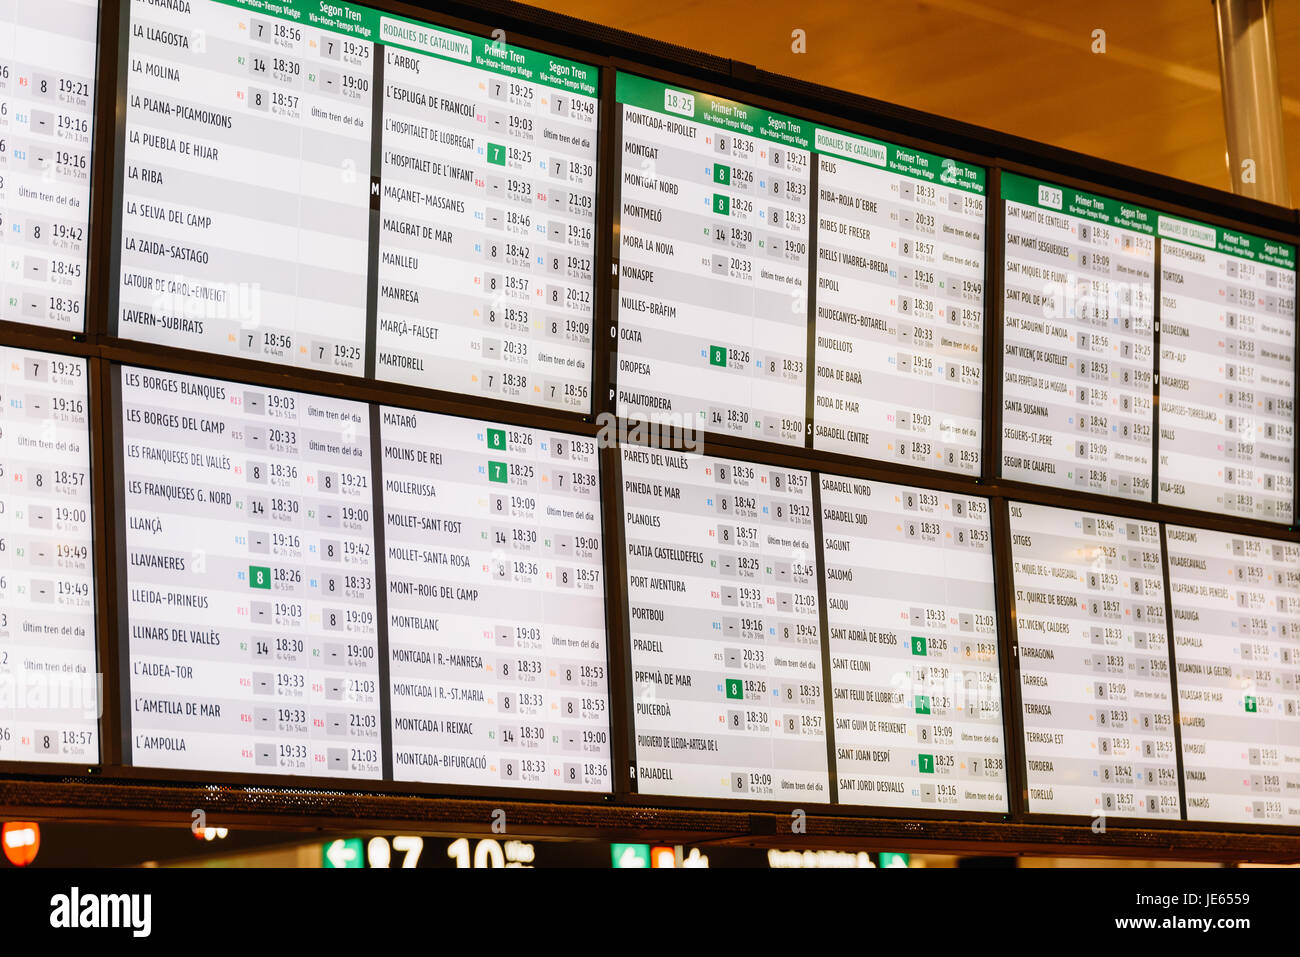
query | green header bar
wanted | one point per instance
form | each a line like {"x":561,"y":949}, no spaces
{"x":724,"y":114}
{"x":714,"y":111}
{"x":1073,"y":202}
{"x":372,"y":26}
{"x":1271,"y":252}
{"x":1104,"y":209}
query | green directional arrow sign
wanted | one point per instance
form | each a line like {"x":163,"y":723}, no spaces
{"x":349,"y":852}
{"x":630,"y":855}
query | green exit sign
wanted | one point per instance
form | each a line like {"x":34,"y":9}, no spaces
{"x":497,"y":472}
{"x":259,"y":577}
{"x":629,"y":855}
{"x":496,"y":154}
{"x":349,"y":852}
{"x":496,"y":440}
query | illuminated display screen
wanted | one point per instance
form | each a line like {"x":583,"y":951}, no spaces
{"x":1078,"y":340}
{"x":496,"y":604}
{"x":249,"y":579}
{"x":49,"y":688}
{"x":47,"y":91}
{"x":487,"y":220}
{"x":351,"y":192}
{"x":1227,"y":371}
{"x":1094,"y":664}
{"x":245,"y":184}
{"x":725,"y":636}
{"x":262,"y":627}
{"x":384,"y":562}
{"x":899,"y":318}
{"x":1236,"y":616}
{"x":714,"y":259}
{"x":916,"y":692}
{"x":757,"y":250}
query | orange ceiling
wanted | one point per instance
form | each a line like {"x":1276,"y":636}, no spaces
{"x":1021,"y":66}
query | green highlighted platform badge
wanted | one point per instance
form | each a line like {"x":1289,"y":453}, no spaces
{"x":918,"y":645}
{"x":259,"y":576}
{"x":926,"y":763}
{"x":497,"y":472}
{"x":735,"y":688}
{"x":717,"y":355}
{"x":496,"y":440}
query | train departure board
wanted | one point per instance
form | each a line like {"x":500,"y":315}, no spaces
{"x":487,"y":218}
{"x":1093,"y":657}
{"x":899,"y":296}
{"x":1236,"y":617}
{"x":1227,"y":371}
{"x":49,"y":689}
{"x":339,"y":189}
{"x":911,"y":607}
{"x":47,"y":98}
{"x":248,"y":598}
{"x":480,"y":409}
{"x":245,"y":181}
{"x":498,"y":658}
{"x":1078,"y":339}
{"x":723,"y":616}
{"x":713,"y":263}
